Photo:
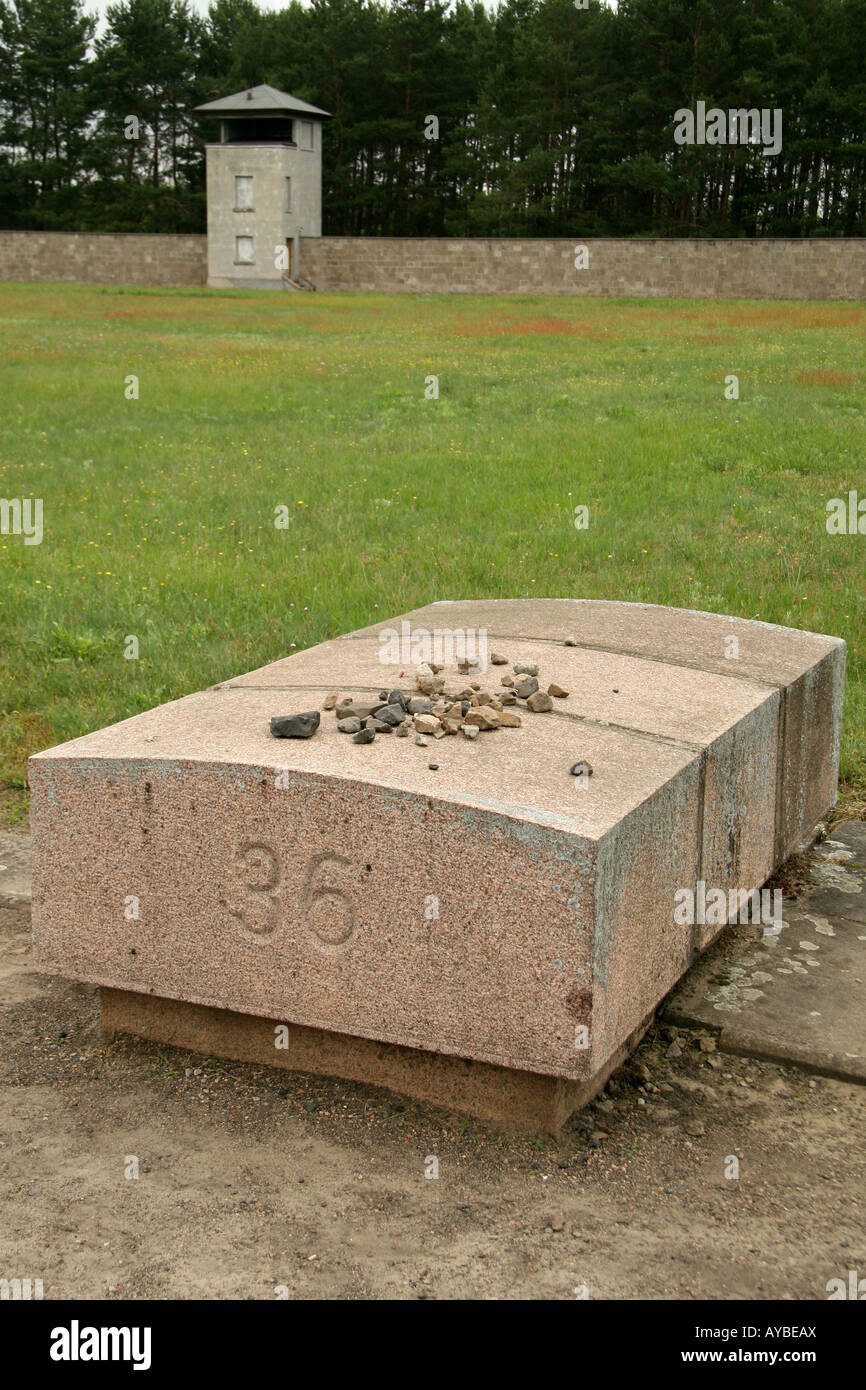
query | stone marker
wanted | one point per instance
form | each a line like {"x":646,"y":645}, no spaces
{"x":491,"y":932}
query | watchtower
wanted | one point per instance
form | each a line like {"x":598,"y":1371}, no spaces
{"x":264,"y":186}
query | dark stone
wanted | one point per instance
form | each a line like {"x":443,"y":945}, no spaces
{"x":365,"y":736}
{"x":362,"y":708}
{"x":296,"y":725}
{"x":383,"y":696}
{"x":398,"y":697}
{"x":582,"y":768}
{"x":526,"y":688}
{"x":390,"y":714}
{"x":434,"y":767}
{"x":420,"y":706}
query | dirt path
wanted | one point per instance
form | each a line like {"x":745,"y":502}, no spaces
{"x":256,"y":1184}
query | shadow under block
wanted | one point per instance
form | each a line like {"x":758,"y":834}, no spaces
{"x":185,"y":855}
{"x":521,"y":1100}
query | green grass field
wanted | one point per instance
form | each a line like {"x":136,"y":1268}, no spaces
{"x":159,"y":512}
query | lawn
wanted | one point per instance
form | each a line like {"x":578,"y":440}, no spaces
{"x":159,"y":511}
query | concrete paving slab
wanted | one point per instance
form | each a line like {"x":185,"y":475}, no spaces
{"x":846,"y":844}
{"x":798,"y":995}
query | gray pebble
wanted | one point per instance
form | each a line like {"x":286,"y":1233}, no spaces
{"x":362,"y":708}
{"x":539,"y":702}
{"x":296,"y":725}
{"x":390,"y":714}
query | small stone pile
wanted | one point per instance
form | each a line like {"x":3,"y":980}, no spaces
{"x":434,"y":711}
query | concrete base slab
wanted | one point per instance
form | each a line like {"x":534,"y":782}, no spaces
{"x":799,"y":995}
{"x":509,"y":1099}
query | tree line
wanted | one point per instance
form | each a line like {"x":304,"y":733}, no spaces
{"x":538,"y":118}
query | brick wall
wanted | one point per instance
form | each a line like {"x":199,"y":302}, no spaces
{"x":772,"y":269}
{"x":105,"y":259}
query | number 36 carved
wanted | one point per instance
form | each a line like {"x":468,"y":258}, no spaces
{"x":325,"y":900}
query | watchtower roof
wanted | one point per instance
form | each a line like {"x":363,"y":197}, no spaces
{"x":259,"y":101}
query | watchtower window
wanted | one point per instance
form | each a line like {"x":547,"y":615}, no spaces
{"x":288,"y":195}
{"x":305,"y":135}
{"x":243,"y":193}
{"x":258,"y":130}
{"x":244,"y":250}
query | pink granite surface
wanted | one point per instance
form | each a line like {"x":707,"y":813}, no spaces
{"x":492,"y":909}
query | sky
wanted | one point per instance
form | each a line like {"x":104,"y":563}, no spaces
{"x":98,"y":7}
